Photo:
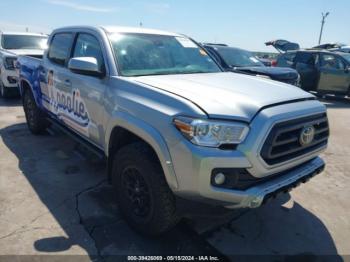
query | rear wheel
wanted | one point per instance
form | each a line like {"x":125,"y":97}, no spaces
{"x":145,"y":200}
{"x":36,"y":120}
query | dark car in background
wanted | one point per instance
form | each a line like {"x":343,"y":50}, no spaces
{"x":241,"y":61}
{"x":320,"y":70}
{"x":265,"y":61}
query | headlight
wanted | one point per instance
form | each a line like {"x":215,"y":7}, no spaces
{"x":211,"y":133}
{"x":9,"y":63}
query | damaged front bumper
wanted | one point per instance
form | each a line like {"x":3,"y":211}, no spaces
{"x":259,"y":194}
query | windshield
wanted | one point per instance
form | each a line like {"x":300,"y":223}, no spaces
{"x":23,"y":42}
{"x":238,"y":58}
{"x":146,"y":54}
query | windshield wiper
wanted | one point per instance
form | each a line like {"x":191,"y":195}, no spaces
{"x":195,"y":72}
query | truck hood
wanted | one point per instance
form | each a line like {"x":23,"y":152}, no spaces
{"x":279,"y":73}
{"x":28,"y":52}
{"x":226,"y":95}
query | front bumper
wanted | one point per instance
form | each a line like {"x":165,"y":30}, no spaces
{"x":194,"y":165}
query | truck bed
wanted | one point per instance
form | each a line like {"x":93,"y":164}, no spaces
{"x":28,"y":68}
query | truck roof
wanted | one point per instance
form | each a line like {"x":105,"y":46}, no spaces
{"x":22,"y":33}
{"x":121,"y":29}
{"x":140,"y":30}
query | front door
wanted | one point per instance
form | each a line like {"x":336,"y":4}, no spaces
{"x":305,"y":64}
{"x":88,"y":91}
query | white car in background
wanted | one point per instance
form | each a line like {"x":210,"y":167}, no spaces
{"x":13,"y":44}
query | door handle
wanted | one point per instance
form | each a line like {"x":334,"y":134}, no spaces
{"x":67,"y":83}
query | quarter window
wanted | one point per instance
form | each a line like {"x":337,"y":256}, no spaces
{"x":289,"y":57}
{"x":60,"y":48}
{"x":286,"y":59}
{"x":88,"y":46}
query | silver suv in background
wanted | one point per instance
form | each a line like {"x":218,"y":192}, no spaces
{"x":13,"y":44}
{"x":171,"y":123}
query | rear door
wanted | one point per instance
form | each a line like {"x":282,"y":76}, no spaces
{"x":305,"y":64}
{"x":89,"y":90}
{"x":55,"y":89}
{"x":334,"y":76}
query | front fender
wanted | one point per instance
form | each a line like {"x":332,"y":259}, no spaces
{"x":150,"y":135}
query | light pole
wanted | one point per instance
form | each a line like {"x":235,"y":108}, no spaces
{"x":322,"y":24}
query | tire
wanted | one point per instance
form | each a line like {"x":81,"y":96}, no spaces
{"x":36,"y":120}
{"x":143,"y":195}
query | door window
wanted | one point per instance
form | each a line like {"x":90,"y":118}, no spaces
{"x":305,"y":58}
{"x":331,"y":62}
{"x":60,"y":48}
{"x":88,"y":46}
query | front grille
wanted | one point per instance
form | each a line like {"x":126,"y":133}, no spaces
{"x":283,"y":142}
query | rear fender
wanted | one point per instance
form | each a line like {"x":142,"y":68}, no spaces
{"x":25,"y":84}
{"x":30,"y":79}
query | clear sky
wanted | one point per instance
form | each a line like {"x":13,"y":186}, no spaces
{"x":247,"y":24}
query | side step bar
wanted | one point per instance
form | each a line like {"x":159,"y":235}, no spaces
{"x":89,"y":146}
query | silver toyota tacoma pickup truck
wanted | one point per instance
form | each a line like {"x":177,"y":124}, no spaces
{"x":171,"y":123}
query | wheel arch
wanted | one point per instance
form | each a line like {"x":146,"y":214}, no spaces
{"x":25,"y":85}
{"x":124,"y":129}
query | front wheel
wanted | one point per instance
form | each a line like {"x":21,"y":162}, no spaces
{"x":36,"y":120}
{"x":144,"y":197}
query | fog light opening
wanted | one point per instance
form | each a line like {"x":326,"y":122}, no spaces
{"x":12,"y":79}
{"x":219,"y":179}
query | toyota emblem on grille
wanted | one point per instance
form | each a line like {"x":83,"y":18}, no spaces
{"x":307,"y":135}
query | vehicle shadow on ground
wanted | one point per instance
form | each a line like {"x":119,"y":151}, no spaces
{"x":72,"y":184}
{"x":281,"y":227}
{"x":73,"y":187}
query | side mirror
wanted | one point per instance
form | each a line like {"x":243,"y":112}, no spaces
{"x":85,"y":66}
{"x":347,"y":69}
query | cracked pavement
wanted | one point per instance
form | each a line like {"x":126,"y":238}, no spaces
{"x":55,"y":199}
